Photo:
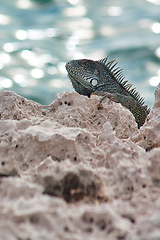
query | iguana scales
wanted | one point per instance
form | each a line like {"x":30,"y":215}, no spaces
{"x":103,"y":78}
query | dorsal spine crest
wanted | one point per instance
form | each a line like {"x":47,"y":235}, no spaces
{"x":118,"y":75}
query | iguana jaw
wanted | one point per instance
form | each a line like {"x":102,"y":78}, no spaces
{"x":79,"y":80}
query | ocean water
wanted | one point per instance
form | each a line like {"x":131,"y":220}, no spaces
{"x":37,"y":38}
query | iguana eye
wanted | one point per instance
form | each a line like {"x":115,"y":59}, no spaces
{"x":94,"y":82}
{"x":84,"y":63}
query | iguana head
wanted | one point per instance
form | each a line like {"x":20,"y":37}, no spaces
{"x":84,"y":75}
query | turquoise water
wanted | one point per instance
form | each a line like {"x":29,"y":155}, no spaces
{"x":38,"y":37}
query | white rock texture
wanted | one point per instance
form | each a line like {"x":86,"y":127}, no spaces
{"x":69,"y":171}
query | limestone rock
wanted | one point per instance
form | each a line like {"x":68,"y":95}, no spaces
{"x":74,"y":110}
{"x":72,"y":171}
{"x":13,"y":106}
{"x":71,"y":182}
{"x":149,"y":135}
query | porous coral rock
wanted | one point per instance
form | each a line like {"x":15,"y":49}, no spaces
{"x":74,"y":110}
{"x":148,"y":136}
{"x":13,"y":106}
{"x":72,"y":182}
{"x":75,"y":172}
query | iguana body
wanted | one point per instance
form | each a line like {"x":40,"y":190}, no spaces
{"x":102,"y":78}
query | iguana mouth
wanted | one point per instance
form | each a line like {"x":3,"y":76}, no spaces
{"x":71,"y":75}
{"x":80,"y":84}
{"x":79,"y":80}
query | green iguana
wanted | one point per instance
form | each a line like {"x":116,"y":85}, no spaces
{"x":102,"y":78}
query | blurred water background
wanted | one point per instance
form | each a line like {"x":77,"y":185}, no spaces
{"x":37,"y":38}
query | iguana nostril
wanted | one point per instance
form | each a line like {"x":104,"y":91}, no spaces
{"x":68,"y":64}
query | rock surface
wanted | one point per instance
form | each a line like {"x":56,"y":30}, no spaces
{"x":69,"y":171}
